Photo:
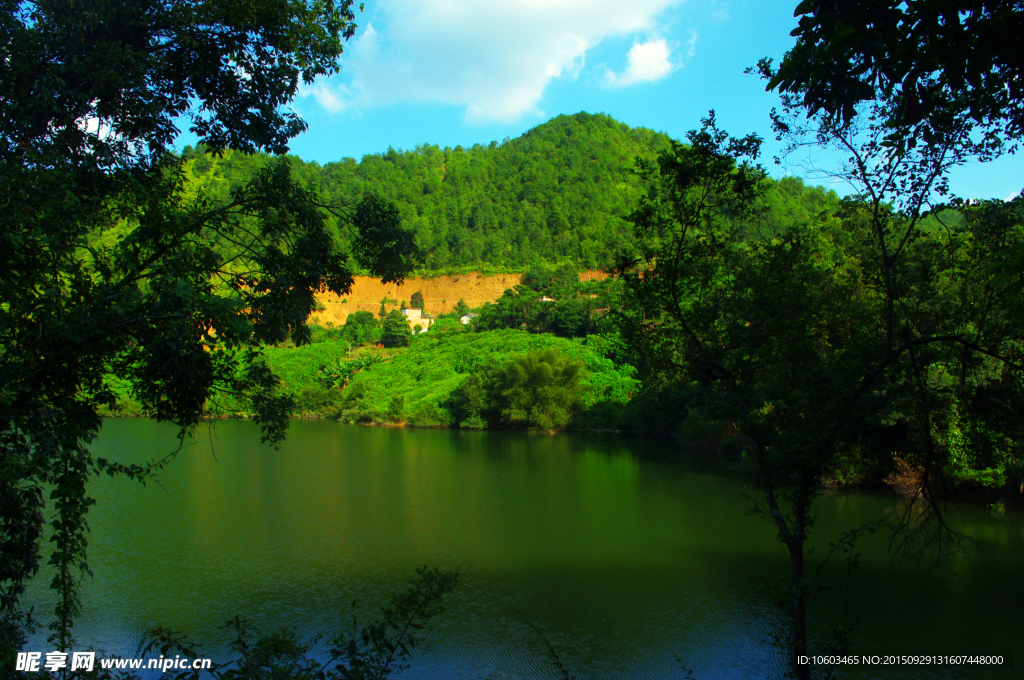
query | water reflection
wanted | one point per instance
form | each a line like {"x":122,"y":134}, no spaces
{"x":623,"y":555}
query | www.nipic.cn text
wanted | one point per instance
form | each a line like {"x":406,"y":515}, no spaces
{"x":86,"y":661}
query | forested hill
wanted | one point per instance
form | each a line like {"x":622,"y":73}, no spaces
{"x":559,"y":192}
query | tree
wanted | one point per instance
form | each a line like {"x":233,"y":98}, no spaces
{"x":113,"y":265}
{"x":931,"y":72}
{"x":552,"y":280}
{"x":573,"y":169}
{"x":417,"y":300}
{"x":946,"y":64}
{"x":818,"y":340}
{"x":516,"y":308}
{"x":538,"y":390}
{"x":901,"y":92}
{"x":569,"y":317}
{"x":361,"y":328}
{"x":395,"y":331}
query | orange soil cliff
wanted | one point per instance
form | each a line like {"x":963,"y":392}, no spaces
{"x":440,"y":294}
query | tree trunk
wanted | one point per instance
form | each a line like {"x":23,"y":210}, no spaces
{"x":796,"y":561}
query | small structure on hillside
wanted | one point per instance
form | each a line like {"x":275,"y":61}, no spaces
{"x":545,"y":298}
{"x":416,"y":317}
{"x":466,"y":318}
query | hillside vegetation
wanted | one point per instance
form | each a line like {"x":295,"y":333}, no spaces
{"x":519,"y":232}
{"x":563,"y":191}
{"x":419,"y":385}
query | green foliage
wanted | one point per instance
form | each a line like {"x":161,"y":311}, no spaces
{"x":416,"y":300}
{"x":361,"y":328}
{"x":120,"y":271}
{"x":428,"y":373}
{"x":381,"y":244}
{"x":571,"y":315}
{"x":396,"y":409}
{"x":787,"y":321}
{"x":946,"y":64}
{"x":395,"y":331}
{"x":560,"y":192}
{"x":861,"y":329}
{"x":446,"y":324}
{"x":328,"y":333}
{"x":518,"y":307}
{"x":423,"y":377}
{"x":340,"y":374}
{"x":552,"y":280}
{"x":554,"y":200}
{"x":542,"y":390}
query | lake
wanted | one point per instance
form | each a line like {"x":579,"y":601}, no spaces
{"x":625,"y":556}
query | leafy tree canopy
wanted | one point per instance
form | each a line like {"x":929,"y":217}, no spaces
{"x":114,"y":264}
{"x":561,"y":194}
{"x":864,"y":330}
{"x":542,"y":389}
{"x":361,"y":328}
{"x":395,"y":331}
{"x":945,"y":62}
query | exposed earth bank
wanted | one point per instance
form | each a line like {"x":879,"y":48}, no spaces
{"x":440,"y":294}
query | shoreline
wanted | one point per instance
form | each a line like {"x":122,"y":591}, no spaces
{"x":1006,"y":497}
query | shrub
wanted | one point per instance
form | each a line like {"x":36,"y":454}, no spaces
{"x":395,"y":330}
{"x":542,"y":389}
{"x":396,"y":409}
{"x":361,"y":328}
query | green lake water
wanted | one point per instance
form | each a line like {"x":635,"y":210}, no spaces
{"x":627,"y":558}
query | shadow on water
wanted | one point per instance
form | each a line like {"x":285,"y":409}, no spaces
{"x":623,"y":551}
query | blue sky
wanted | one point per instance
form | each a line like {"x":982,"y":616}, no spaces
{"x":462,"y":72}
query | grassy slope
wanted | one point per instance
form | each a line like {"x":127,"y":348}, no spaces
{"x":422,"y":377}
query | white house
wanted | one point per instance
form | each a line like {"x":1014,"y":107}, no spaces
{"x":466,"y":318}
{"x":416,"y":317}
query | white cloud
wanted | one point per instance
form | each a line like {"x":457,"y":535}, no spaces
{"x":646,"y":62}
{"x":331,"y":98}
{"x":495,"y":58}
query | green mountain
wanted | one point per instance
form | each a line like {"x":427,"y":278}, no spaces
{"x":560,"y":192}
